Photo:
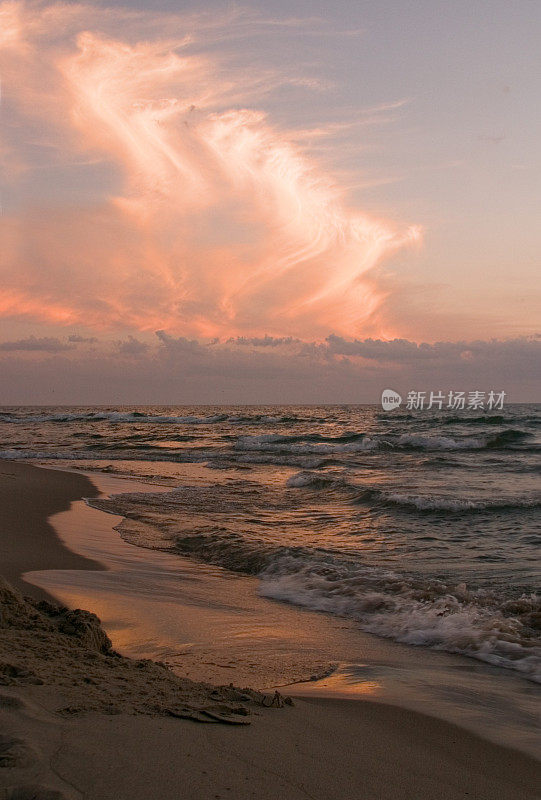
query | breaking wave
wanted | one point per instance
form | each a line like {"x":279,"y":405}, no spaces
{"x":339,"y":509}
{"x":426,"y":502}
{"x":416,"y":612}
{"x":307,"y":444}
{"x":361,"y":442}
{"x":424,"y":611}
{"x":457,"y":504}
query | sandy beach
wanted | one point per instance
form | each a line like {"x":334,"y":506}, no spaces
{"x":28,"y":497}
{"x":270,"y":400}
{"x":80,"y":720}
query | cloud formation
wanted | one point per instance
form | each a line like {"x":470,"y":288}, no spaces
{"x":206,"y":218}
{"x":176,"y":369}
{"x":406,"y":352}
{"x":76,"y":338}
{"x":46,"y":344}
{"x":263,"y":341}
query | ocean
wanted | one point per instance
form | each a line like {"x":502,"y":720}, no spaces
{"x":422,"y":527}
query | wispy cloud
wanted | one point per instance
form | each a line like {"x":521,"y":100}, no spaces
{"x":219,"y":224}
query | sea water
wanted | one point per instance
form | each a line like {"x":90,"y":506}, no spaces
{"x":421,"y":527}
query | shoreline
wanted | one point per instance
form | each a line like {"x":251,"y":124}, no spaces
{"x":214,"y":625}
{"x":322,"y":748}
{"x":29,"y":496}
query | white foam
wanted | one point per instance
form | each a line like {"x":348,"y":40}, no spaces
{"x":440,"y":503}
{"x":388,"y":605}
{"x":302,"y":479}
{"x":273,"y":443}
{"x":437,"y":442}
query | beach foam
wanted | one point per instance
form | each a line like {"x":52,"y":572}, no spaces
{"x":429,"y":613}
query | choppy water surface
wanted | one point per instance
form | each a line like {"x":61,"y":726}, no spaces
{"x":422,"y":527}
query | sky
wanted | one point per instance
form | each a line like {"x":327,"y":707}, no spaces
{"x":269,"y":202}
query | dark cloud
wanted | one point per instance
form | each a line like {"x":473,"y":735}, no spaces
{"x":180,"y":344}
{"x":132,"y":347}
{"x":404,"y":351}
{"x":47,"y":344}
{"x":76,"y":339}
{"x":396,"y":349}
{"x":338,"y":370}
{"x":265,"y":341}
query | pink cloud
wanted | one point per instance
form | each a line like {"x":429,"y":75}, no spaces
{"x":220,"y":223}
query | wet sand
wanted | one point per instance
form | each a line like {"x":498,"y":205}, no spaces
{"x":320,"y":748}
{"x":28,"y":497}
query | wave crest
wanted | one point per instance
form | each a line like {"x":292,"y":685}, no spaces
{"x":428,"y":613}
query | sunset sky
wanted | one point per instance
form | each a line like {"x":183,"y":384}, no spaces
{"x":269,"y":202}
